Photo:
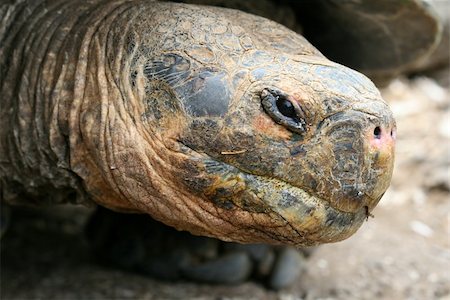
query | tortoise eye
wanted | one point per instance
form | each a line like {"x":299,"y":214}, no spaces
{"x":285,"y":107}
{"x":282,"y":110}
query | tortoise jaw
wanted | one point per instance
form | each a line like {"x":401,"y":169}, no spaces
{"x":312,"y":217}
{"x":308,"y":220}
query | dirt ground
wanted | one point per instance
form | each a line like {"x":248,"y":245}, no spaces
{"x":401,"y":253}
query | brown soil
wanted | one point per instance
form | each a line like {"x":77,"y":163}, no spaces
{"x":401,"y":253}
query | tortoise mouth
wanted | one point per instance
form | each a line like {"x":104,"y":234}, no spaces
{"x":309,"y":219}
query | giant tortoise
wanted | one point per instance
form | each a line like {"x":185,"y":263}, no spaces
{"x":211,"y":120}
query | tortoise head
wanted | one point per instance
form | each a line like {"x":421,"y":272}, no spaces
{"x":299,"y":152}
{"x":251,"y":134}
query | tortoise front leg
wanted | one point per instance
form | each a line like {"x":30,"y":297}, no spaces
{"x":139,"y":243}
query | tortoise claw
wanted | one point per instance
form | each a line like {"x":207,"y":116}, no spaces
{"x":288,"y":267}
{"x":230,"y":268}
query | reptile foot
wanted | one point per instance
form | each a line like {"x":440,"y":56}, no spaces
{"x":139,"y":243}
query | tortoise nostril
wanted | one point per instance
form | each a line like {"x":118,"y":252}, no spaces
{"x":393,"y":133}
{"x":377,"y":132}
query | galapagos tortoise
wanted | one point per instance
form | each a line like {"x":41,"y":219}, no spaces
{"x":210,"y":120}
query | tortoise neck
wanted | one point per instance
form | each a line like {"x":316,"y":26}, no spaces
{"x":45,"y":53}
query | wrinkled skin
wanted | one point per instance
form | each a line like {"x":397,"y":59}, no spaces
{"x":210,"y":120}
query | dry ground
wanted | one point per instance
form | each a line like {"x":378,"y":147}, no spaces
{"x":401,"y":253}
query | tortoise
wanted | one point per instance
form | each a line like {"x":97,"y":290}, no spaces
{"x":211,"y":120}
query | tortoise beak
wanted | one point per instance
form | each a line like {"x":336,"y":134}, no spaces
{"x":362,"y":154}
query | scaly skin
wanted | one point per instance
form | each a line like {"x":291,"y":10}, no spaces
{"x":171,"y":110}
